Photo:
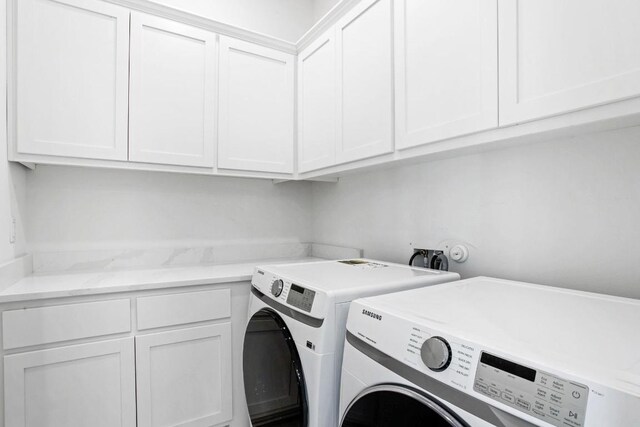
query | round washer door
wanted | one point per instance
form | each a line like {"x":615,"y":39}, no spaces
{"x":273,"y":379}
{"x":396,"y":406}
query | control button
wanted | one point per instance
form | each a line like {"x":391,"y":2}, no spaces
{"x":572,"y":417}
{"x":543,"y":379}
{"x":436,"y":353}
{"x":276,"y":287}
{"x":482,"y":387}
{"x":494,"y":391}
{"x":523,"y":404}
{"x":508,"y":397}
{"x":557,"y":385}
{"x":555,"y":398}
{"x":576,"y":393}
{"x":541,"y":393}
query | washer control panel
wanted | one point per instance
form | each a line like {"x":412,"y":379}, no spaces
{"x":557,"y":401}
{"x":295,"y":295}
{"x":300,"y":297}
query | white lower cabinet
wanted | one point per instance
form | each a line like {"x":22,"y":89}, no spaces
{"x":75,"y":386}
{"x":171,"y":367}
{"x":184,"y":377}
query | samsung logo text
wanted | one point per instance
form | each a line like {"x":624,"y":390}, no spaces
{"x":371,"y":314}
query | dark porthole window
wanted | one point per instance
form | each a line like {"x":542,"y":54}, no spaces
{"x":273,"y":379}
{"x":395,"y":406}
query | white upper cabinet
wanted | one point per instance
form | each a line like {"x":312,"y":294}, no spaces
{"x":446,"y":69}
{"x":255,"y":108}
{"x":317,"y":104}
{"x":561,"y":56}
{"x":173,"y":76}
{"x":365,"y":87}
{"x":71,"y":74}
{"x":92,"y":83}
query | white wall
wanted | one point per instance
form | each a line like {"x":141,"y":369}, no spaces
{"x":564,"y":213}
{"x":76,"y":209}
{"x":12,"y":207}
{"x":12,"y":177}
{"x":284,"y":19}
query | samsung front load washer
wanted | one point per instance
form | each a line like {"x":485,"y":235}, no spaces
{"x":487,"y":352}
{"x":295,"y":335}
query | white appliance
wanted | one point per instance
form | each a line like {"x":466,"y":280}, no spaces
{"x":483,"y":352}
{"x":296,"y":330}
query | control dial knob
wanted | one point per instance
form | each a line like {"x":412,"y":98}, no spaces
{"x":436,"y":353}
{"x":276,"y":287}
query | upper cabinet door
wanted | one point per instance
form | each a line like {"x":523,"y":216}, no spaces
{"x":72,"y":65}
{"x":561,"y":56}
{"x":256,"y":107}
{"x":173,"y":75}
{"x":364,"y":38}
{"x":446,"y":69}
{"x":317,"y":104}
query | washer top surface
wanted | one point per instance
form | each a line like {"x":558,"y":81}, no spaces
{"x":350,"y":276}
{"x":586,"y":333}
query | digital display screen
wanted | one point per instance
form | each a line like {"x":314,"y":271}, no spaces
{"x":296,"y":288}
{"x":508,"y":366}
{"x":300,"y":297}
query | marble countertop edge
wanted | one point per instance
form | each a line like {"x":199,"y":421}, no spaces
{"x":39,"y":287}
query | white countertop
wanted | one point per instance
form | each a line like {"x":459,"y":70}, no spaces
{"x":37,"y":287}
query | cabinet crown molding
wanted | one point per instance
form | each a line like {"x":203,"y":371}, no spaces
{"x":326,"y":22}
{"x":207,"y":24}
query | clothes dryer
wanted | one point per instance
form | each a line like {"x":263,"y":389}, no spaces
{"x":295,"y":335}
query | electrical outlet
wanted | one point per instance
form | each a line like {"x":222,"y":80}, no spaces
{"x":12,"y":236}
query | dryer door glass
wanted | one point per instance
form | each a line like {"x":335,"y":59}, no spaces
{"x":273,"y":379}
{"x":395,"y":406}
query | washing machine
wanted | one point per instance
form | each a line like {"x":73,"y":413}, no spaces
{"x":486,"y":352}
{"x":295,"y":334}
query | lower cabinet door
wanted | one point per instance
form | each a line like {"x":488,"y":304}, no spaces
{"x":184,"y":377}
{"x":80,"y":385}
